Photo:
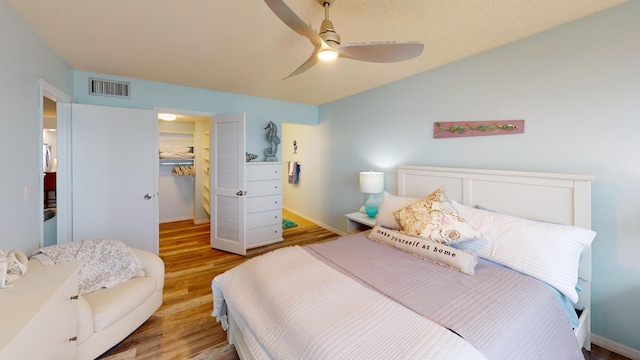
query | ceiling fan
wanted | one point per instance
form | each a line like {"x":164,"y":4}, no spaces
{"x":327,"y":43}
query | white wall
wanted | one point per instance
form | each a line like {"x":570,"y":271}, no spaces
{"x":24,"y":59}
{"x":578,"y":89}
{"x":177,"y":195}
{"x":311,"y":190}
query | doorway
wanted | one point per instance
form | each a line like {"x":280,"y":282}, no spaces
{"x":54,"y":131}
{"x":49,"y":153}
{"x":49,"y":165}
{"x":183,"y":166}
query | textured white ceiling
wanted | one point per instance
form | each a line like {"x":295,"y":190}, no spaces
{"x":240,"y":46}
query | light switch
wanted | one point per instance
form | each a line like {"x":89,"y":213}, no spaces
{"x":27,"y":193}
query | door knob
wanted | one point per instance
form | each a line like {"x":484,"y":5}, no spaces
{"x":147,"y":196}
{"x":240,"y":193}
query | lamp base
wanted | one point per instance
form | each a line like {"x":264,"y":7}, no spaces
{"x":371,"y":207}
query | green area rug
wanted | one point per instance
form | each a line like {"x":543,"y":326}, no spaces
{"x":288,"y":224}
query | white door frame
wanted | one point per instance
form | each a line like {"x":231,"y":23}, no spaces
{"x":63,"y":153}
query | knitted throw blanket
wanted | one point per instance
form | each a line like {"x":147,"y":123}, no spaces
{"x":107,"y":262}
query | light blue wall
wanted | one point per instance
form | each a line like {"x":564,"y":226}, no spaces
{"x":24,"y":59}
{"x":578,"y":89}
{"x":149,"y":94}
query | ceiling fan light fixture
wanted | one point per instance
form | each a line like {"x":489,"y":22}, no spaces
{"x":167,"y":117}
{"x":327,"y":46}
{"x":327,"y":54}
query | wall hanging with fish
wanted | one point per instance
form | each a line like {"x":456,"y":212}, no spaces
{"x":449,"y":129}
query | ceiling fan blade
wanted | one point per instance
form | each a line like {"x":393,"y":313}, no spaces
{"x":382,"y":52}
{"x":312,"y":60}
{"x":292,"y":20}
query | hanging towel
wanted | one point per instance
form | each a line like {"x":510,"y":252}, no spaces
{"x":294,"y":172}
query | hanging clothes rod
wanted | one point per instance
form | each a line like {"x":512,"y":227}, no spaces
{"x":167,"y":162}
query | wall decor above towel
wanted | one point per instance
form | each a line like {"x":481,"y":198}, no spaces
{"x":449,"y":129}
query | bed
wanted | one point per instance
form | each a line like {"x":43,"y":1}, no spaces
{"x":373,"y":294}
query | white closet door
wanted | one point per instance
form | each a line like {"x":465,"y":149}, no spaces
{"x":114,"y":155}
{"x":227,"y":198}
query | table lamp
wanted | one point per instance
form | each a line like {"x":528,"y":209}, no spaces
{"x":371,"y":183}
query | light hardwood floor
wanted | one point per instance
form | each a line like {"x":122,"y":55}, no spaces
{"x":183,"y":327}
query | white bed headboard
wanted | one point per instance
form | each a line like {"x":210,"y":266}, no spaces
{"x":558,"y":198}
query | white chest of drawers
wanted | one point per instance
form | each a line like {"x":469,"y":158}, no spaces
{"x":263,"y":217}
{"x":39,"y":314}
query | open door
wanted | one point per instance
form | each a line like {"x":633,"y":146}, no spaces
{"x":115,"y":161}
{"x":227,"y":199}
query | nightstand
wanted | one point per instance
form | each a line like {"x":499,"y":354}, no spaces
{"x":357,"y":222}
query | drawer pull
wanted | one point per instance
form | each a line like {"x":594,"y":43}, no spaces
{"x":74,"y":297}
{"x":75,"y":338}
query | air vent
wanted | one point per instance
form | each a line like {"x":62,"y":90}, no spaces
{"x":109,"y":88}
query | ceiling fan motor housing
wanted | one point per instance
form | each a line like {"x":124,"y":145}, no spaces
{"x":328,"y":33}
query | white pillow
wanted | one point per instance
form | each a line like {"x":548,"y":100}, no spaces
{"x":388,"y":206}
{"x":546,"y":251}
{"x":441,"y":254}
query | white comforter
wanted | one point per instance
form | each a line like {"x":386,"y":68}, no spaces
{"x":319,"y":313}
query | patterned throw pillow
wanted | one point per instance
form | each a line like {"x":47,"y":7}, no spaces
{"x":434,"y":217}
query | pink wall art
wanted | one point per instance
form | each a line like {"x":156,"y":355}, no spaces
{"x":449,"y":129}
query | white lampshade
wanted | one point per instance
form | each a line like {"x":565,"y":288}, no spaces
{"x":371,"y":182}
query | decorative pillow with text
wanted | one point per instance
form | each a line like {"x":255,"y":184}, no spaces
{"x":456,"y":259}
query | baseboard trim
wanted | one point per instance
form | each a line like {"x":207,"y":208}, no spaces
{"x":615,"y":347}
{"x":179,"y":218}
{"x":324,"y":226}
{"x":201,"y":221}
